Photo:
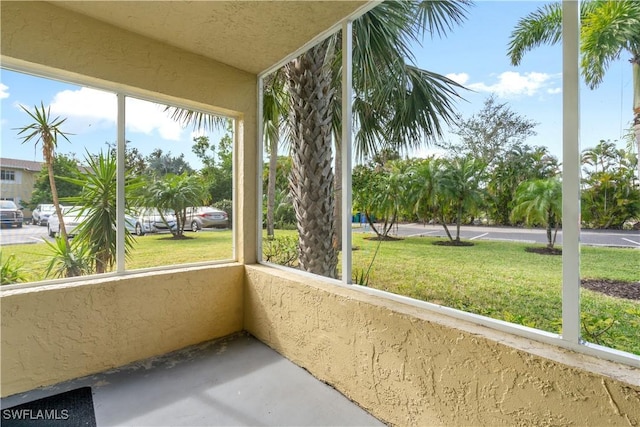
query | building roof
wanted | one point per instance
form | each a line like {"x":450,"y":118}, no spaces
{"x":27,"y":165}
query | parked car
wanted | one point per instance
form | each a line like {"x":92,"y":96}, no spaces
{"x":149,"y":220}
{"x":130,"y":223}
{"x":72,"y":219}
{"x":40,"y":215}
{"x":10,"y":214}
{"x":199,"y":217}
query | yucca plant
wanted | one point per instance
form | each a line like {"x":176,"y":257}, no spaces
{"x":97,"y":204}
{"x":69,"y":259}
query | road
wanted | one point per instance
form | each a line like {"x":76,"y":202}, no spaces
{"x":617,"y":238}
{"x":27,"y":234}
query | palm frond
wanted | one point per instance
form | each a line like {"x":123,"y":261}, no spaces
{"x":543,"y":26}
{"x":197,"y":119}
{"x":610,"y":28}
{"x":440,"y":17}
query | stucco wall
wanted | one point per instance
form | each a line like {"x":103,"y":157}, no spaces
{"x":59,"y":332}
{"x":411,"y":367}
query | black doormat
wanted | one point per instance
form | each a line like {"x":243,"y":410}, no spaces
{"x":72,"y":408}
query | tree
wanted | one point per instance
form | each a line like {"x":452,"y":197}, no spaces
{"x":609,"y":196}
{"x":491,"y":133}
{"x":520,"y":164}
{"x":275,"y":107}
{"x":217,"y":172}
{"x":97,"y":203}
{"x":607,"y":29}
{"x":539,"y":202}
{"x":63,"y":166}
{"x":134,"y":161}
{"x":424,"y":187}
{"x":458,"y":186}
{"x":175,"y":193}
{"x":397,"y":105}
{"x":283,"y":213}
{"x":46,"y":131}
{"x":311,"y":179}
{"x":160,"y":164}
{"x":381,"y":192}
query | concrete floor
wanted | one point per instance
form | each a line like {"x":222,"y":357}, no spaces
{"x":233,"y":381}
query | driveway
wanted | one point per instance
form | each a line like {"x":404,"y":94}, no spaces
{"x":27,"y":234}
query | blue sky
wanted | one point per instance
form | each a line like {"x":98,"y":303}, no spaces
{"x":473,"y":54}
{"x":91,"y":119}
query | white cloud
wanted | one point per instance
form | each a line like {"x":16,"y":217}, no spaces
{"x":512,"y":84}
{"x":145,"y":117}
{"x":460,"y":78}
{"x":4,"y":91}
{"x":93,"y":108}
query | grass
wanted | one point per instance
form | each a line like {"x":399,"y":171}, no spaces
{"x":151,"y":250}
{"x":496,"y":279}
{"x":503,"y":281}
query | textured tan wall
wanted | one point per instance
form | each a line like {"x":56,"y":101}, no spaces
{"x":59,"y":332}
{"x":410,"y":367}
{"x":46,"y":39}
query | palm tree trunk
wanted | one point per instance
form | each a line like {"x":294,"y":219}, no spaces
{"x":458,"y":221}
{"x":311,"y":178}
{"x":56,"y":200}
{"x":271,"y":187}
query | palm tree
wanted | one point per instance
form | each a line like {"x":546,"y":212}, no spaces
{"x":423,"y":188}
{"x":311,"y":180}
{"x":603,"y":155}
{"x":97,"y":203}
{"x":46,"y":131}
{"x":396,"y":105}
{"x":539,"y":202}
{"x":607,"y":29}
{"x":175,"y":193}
{"x":275,"y":107}
{"x":459,"y":187}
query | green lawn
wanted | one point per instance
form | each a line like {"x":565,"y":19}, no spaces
{"x":151,"y":250}
{"x":503,"y":281}
{"x":495,"y":279}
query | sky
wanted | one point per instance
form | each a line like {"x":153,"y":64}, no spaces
{"x":473,"y":54}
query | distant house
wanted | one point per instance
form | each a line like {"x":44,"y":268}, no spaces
{"x":17,"y":180}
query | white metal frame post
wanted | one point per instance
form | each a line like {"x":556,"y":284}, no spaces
{"x":570,"y":171}
{"x":259,"y":167}
{"x":346,"y":148}
{"x":120,"y":194}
